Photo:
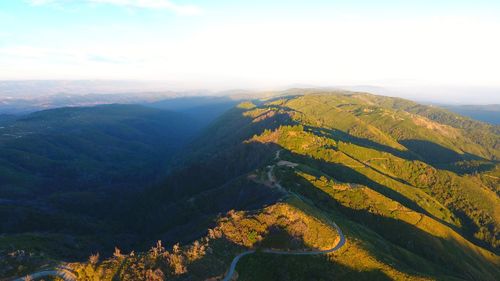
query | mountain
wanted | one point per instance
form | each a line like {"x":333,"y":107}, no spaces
{"x":487,"y":113}
{"x":322,"y":185}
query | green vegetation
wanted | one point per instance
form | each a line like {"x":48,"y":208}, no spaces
{"x":278,"y":226}
{"x":67,"y":171}
{"x":415,"y":190}
{"x":375,"y":157}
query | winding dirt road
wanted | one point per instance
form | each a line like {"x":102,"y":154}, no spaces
{"x":60,"y":272}
{"x":69,"y":276}
{"x":236,"y":259}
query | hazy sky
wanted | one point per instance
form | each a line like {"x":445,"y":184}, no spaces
{"x":255,"y":42}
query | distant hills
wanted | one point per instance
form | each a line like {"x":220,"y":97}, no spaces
{"x":414,"y":188}
{"x":15,"y":105}
{"x":486,"y":113}
{"x":26,"y":89}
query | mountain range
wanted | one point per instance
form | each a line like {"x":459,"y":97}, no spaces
{"x":308,"y":184}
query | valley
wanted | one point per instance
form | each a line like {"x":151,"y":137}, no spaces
{"x":304,"y":183}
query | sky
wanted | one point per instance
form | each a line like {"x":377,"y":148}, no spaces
{"x":254,"y":43}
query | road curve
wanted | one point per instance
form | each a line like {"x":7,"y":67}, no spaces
{"x":63,"y":273}
{"x":236,"y":259}
{"x":69,"y":276}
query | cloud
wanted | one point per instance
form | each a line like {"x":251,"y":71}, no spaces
{"x":73,"y":56}
{"x":40,"y":2}
{"x":143,"y":4}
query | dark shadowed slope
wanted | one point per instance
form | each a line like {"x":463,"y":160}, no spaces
{"x":66,"y":171}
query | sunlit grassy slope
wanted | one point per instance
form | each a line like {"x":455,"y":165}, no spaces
{"x":403,"y":155}
{"x":414,"y":189}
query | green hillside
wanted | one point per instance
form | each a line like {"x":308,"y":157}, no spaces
{"x":414,"y":189}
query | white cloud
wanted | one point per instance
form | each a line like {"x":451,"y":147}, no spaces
{"x":444,"y":50}
{"x":143,"y":4}
{"x":40,"y":2}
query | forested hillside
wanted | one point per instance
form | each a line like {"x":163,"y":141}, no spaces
{"x":414,"y":189}
{"x":64,"y":172}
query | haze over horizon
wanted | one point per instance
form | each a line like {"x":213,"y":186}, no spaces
{"x":255,"y":44}
{"x":439,"y":95}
